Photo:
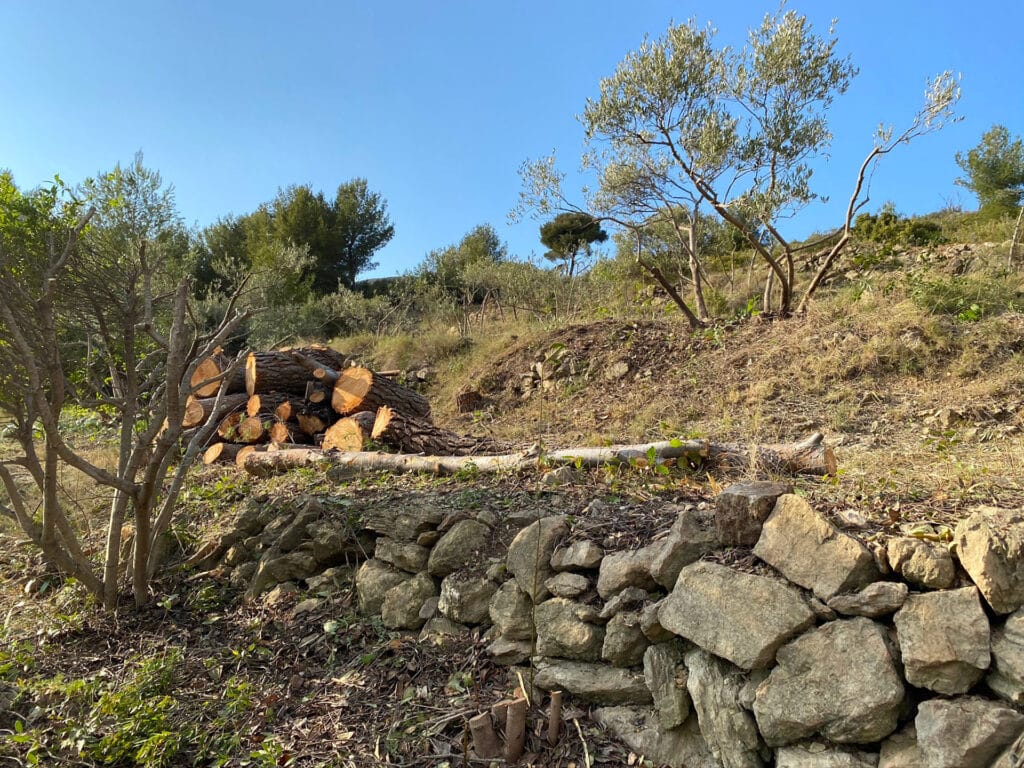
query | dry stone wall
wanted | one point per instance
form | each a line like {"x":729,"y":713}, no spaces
{"x":817,"y":651}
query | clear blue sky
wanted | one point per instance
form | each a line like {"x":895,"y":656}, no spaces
{"x":437,"y":104}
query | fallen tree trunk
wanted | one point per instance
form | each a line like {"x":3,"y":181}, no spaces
{"x":410,"y":434}
{"x":349,"y":433}
{"x":810,"y":456}
{"x":281,"y":372}
{"x":360,"y":389}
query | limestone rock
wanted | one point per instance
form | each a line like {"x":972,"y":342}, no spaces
{"x":596,"y":683}
{"x":511,"y":610}
{"x":466,"y":599}
{"x":624,"y":641}
{"x":901,"y":750}
{"x":665,"y":676}
{"x":402,"y":554}
{"x":808,"y":550}
{"x":817,"y":755}
{"x":578,"y":556}
{"x":968,"y":732}
{"x":508,"y":652}
{"x":921,"y":563}
{"x":878,"y":599}
{"x":990,"y":545}
{"x":626,"y":569}
{"x":691,"y":537}
{"x":728,"y":729}
{"x":373,"y":580}
{"x":629,"y":599}
{"x":650,"y":625}
{"x":1007,"y":676}
{"x":637,"y":727}
{"x":289,"y":567}
{"x":402,"y":603}
{"x":567,"y":584}
{"x":529,"y":554}
{"x":742,"y":508}
{"x":739,"y":616}
{"x":458,"y":548}
{"x":838,"y":680}
{"x":563,"y":634}
{"x":944,"y":640}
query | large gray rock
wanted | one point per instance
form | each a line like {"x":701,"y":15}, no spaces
{"x":466,"y":599}
{"x":944,"y":640}
{"x":921,"y":563}
{"x":626,"y":569}
{"x":739,"y":616}
{"x":692,"y":536}
{"x":990,"y":545}
{"x":817,"y":755}
{"x":277,"y":570}
{"x":624,"y":641}
{"x":596,"y":683}
{"x":373,"y":580}
{"x":578,"y":556}
{"x":629,"y":599}
{"x":665,"y":676}
{"x":505,"y":651}
{"x":878,"y":599}
{"x":402,"y":554}
{"x":650,"y":624}
{"x":839,"y":681}
{"x":968,"y":732}
{"x":742,"y":508}
{"x":562,"y":632}
{"x":403,"y":603}
{"x":529,"y":554}
{"x":567,"y":584}
{"x":1007,"y":676}
{"x":637,"y":728}
{"x":728,"y":729}
{"x":511,"y":610}
{"x":901,"y":750}
{"x":459,"y":548}
{"x":808,"y":550}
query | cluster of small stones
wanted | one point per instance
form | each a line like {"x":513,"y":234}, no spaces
{"x":547,"y":370}
{"x":818,"y":652}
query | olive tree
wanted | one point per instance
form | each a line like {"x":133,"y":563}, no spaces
{"x":685,"y":123}
{"x":94,"y":311}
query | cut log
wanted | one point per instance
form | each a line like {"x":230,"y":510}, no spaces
{"x":228,"y":427}
{"x":317,"y":369}
{"x":266,"y":404}
{"x":281,"y":372}
{"x":285,"y":432}
{"x":410,"y":434}
{"x":360,"y":389}
{"x":250,"y":430}
{"x":317,"y":393}
{"x":198,"y":410}
{"x":349,"y":433}
{"x":810,"y":456}
{"x":221,"y":452}
{"x":207,"y":377}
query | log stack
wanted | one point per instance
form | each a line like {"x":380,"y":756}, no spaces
{"x":315,"y":396}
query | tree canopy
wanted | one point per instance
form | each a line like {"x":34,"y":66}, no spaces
{"x":568,"y":235}
{"x":994,"y":171}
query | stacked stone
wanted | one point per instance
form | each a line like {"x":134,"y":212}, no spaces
{"x":818,"y":651}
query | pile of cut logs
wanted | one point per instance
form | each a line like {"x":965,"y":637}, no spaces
{"x":315,"y":396}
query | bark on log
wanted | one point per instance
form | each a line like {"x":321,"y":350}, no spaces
{"x":281,"y":372}
{"x":410,"y":434}
{"x":317,"y":369}
{"x":810,"y":456}
{"x":360,"y":389}
{"x":267,"y":404}
{"x":317,"y":393}
{"x":349,"y":433}
{"x":198,"y":410}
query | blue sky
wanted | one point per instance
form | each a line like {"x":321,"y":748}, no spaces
{"x":438,"y":104}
